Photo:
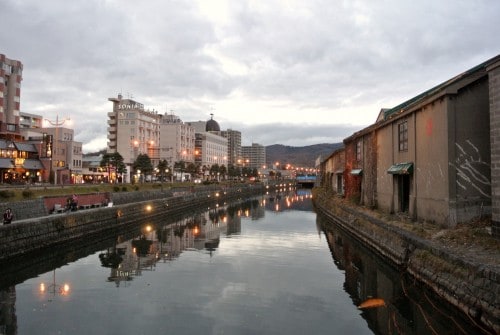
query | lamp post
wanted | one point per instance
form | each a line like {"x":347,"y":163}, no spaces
{"x":57,"y":123}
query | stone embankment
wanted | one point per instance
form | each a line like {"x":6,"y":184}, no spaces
{"x":45,"y":231}
{"x":470,"y":280}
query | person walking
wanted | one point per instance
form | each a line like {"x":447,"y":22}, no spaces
{"x":8,"y":216}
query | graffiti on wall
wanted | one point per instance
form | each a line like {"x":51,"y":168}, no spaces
{"x":472,"y":170}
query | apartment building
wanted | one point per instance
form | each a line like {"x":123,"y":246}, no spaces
{"x":233,"y":145}
{"x":177,"y":140}
{"x":253,"y":156}
{"x":11,"y":75}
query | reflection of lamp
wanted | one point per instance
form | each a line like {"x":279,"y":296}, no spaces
{"x":54,"y":288}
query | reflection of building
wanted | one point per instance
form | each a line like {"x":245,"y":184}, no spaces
{"x":211,"y":225}
{"x":406,"y":309}
{"x":131,"y":264}
{"x":8,"y":318}
{"x":233,"y":222}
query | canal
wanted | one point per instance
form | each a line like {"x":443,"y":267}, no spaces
{"x":267,"y":265}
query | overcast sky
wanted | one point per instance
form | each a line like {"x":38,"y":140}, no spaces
{"x":282,"y":72}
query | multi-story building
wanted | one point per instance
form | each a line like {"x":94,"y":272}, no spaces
{"x":132,"y":130}
{"x":10,"y":98}
{"x":177,"y":140}
{"x":67,"y":155}
{"x":253,"y":156}
{"x":233,"y":145}
{"x":210,"y":147}
{"x":30,"y":121}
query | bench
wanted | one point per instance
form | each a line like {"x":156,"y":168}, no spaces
{"x":58,"y":208}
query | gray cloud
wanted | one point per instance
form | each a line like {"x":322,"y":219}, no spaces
{"x":319,"y":60}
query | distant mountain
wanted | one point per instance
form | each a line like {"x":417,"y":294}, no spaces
{"x":299,"y":156}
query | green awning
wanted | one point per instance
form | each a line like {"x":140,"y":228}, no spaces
{"x":401,"y":168}
{"x":357,"y":172}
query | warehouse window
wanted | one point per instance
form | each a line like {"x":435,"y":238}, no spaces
{"x":403,"y":136}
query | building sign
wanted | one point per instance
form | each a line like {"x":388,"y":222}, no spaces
{"x":18,"y":162}
{"x":134,"y":105}
{"x":47,"y":145}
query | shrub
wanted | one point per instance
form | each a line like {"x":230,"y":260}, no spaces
{"x":124,"y":189}
{"x":27,"y":194}
{"x":116,"y":188}
{"x":5,"y":194}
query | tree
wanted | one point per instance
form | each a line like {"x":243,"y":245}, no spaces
{"x":223,"y":171}
{"x":181,"y":167}
{"x":162,"y":167}
{"x":192,"y":168}
{"x":143,"y":163}
{"x":110,"y":160}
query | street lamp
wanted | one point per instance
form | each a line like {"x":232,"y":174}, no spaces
{"x":57,"y":123}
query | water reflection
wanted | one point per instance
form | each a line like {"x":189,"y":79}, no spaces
{"x":200,"y":232}
{"x":256,"y":266}
{"x":53,"y":288}
{"x":391,"y":302}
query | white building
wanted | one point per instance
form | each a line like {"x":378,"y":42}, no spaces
{"x":132,"y":130}
{"x":176,"y":140}
{"x":210,"y":146}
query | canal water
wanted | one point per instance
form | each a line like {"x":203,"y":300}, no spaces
{"x":267,"y":265}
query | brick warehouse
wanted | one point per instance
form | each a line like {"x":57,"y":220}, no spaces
{"x":435,"y":157}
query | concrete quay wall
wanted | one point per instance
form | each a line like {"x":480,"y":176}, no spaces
{"x":45,"y":232}
{"x":472,"y":287}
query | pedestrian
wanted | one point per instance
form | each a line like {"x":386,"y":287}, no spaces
{"x":74,"y":202}
{"x":8,"y":216}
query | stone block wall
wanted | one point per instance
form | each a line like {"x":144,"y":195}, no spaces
{"x":467,"y":284}
{"x":44,"y":232}
{"x":26,"y":209}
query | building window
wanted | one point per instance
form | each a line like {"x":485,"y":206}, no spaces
{"x":403,"y":136}
{"x":359,"y":155}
